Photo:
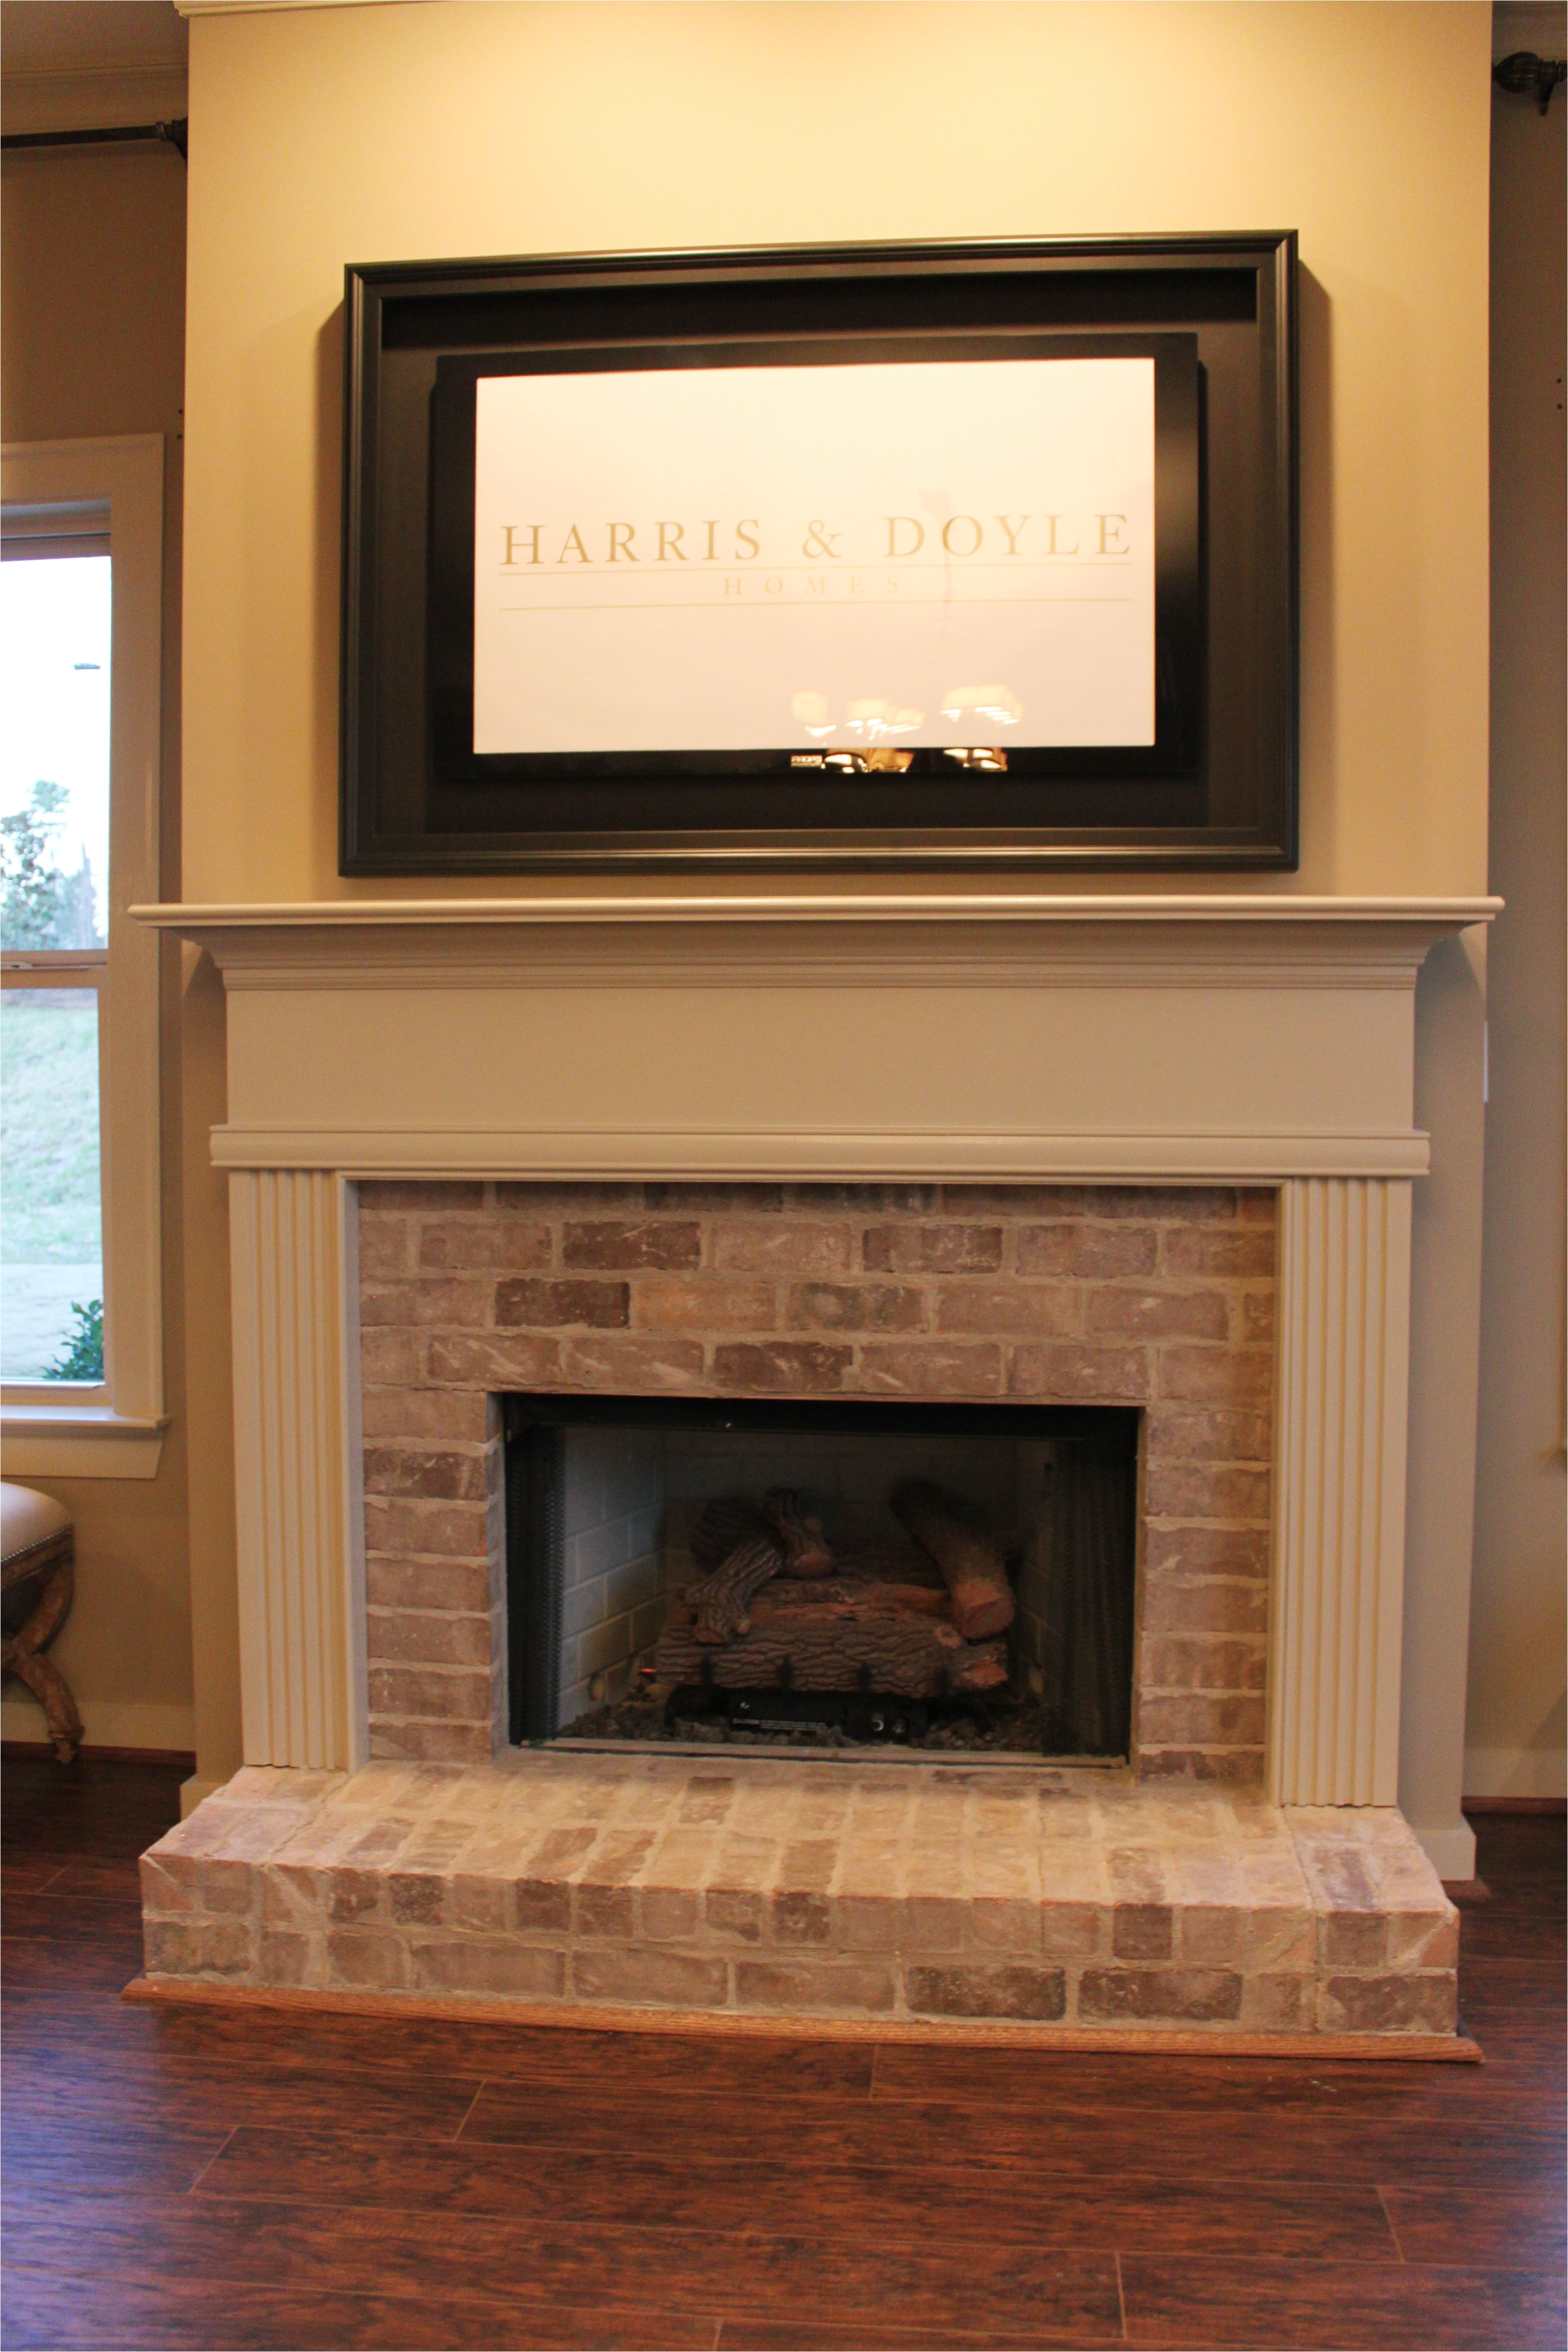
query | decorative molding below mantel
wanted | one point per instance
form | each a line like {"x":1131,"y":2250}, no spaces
{"x":840,"y":1155}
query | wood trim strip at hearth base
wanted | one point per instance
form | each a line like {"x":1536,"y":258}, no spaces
{"x":980,"y":2033}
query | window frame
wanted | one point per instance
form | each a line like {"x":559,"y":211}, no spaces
{"x":113,"y":1430}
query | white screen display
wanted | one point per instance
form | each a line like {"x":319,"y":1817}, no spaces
{"x":816,"y":558}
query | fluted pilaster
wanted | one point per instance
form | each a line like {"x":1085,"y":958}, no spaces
{"x":1343,"y":1279}
{"x":297,"y":1480}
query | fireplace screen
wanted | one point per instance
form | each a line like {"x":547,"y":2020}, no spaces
{"x":949,"y":1578}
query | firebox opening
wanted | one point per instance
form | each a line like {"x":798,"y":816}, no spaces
{"x":951,"y":1578}
{"x":751,"y":1572}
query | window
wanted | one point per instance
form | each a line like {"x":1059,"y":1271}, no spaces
{"x":55,"y":668}
{"x":80,"y":1338}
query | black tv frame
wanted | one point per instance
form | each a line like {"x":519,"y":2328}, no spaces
{"x":1217,"y":790}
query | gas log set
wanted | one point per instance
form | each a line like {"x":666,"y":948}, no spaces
{"x":779,"y":1610}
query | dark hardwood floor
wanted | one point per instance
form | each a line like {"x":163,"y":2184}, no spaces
{"x":214,"y":2179}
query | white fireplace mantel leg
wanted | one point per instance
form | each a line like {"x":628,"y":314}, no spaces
{"x":1337,"y":1597}
{"x":294,"y":1266}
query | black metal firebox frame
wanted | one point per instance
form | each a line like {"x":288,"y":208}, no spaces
{"x":535,"y":1429}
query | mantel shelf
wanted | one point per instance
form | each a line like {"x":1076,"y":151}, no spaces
{"x":861,"y":939}
{"x":1444,"y":914}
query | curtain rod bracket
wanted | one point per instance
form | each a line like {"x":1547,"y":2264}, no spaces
{"x":1524,"y":75}
{"x":173,"y":133}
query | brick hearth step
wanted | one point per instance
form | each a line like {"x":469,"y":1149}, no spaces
{"x":792,"y":1888}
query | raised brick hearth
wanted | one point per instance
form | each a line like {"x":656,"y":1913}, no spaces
{"x":888,"y":1893}
{"x":1159,"y":1297}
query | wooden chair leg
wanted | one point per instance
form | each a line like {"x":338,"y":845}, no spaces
{"x":22,"y":1655}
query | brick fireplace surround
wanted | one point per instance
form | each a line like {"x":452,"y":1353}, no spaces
{"x":1055,"y":1295}
{"x":963,"y":1207}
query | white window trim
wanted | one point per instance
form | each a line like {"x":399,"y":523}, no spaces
{"x":115,"y":1431}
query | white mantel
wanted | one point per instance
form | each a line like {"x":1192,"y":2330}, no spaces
{"x":914,"y":1036}
{"x":1262,"y":1040}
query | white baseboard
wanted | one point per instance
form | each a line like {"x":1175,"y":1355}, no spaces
{"x":105,"y":1723}
{"x":1450,"y":1847}
{"x":1516,"y":1772}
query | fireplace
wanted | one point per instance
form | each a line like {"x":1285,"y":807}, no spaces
{"x":829,"y":1625}
{"x":627,"y":1170}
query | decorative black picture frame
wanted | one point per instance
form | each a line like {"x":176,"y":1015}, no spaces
{"x":1217,"y":788}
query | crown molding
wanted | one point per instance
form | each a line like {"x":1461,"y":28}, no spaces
{"x":275,"y":7}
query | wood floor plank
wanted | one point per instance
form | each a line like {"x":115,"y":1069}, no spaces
{"x":1521,"y":1983}
{"x":933,"y":2284}
{"x":1517,"y":2032}
{"x":1258,"y":2305}
{"x":44,"y":2313}
{"x":89,"y":1807}
{"x":776,"y":2191}
{"x":741,"y":2333}
{"x":658,"y":2066}
{"x":101,"y":2021}
{"x":83,"y":1914}
{"x":24,"y":1874}
{"x":1525,"y":2042}
{"x":1491,"y":2228}
{"x":1522,"y":1858}
{"x":61,"y":1963}
{"x":1511,"y":1930}
{"x":106,"y":1877}
{"x":1074,"y":2135}
{"x":1217,"y":2086}
{"x":90,"y":2152}
{"x":186,"y":2093}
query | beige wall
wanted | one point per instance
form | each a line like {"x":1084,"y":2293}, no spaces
{"x":1514,"y":1738}
{"x":329,"y":135}
{"x":93,"y":332}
